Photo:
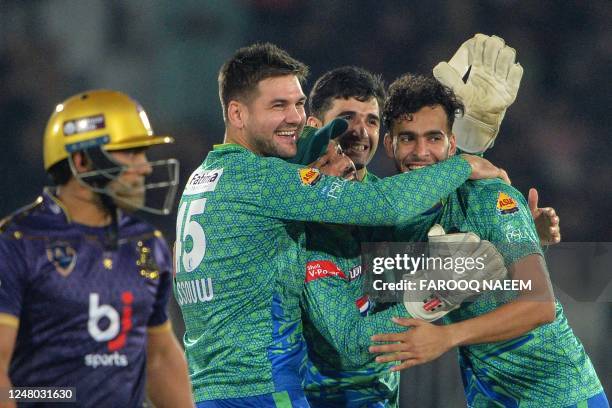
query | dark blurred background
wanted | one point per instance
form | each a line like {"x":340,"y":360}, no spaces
{"x":166,"y":54}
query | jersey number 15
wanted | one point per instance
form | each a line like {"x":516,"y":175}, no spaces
{"x":189,"y":229}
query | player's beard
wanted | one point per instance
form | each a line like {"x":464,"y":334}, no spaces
{"x":269,"y":148}
{"x":266,"y":147}
{"x":128,"y":196}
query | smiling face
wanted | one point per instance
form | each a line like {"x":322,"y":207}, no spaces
{"x":275,"y":116}
{"x":364,"y":125}
{"x":420,"y":139}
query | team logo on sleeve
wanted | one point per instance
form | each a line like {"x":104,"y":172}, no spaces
{"x":363,"y":304}
{"x":506,"y":204}
{"x":322,"y":269}
{"x":309,"y":176}
{"x":63,"y":257}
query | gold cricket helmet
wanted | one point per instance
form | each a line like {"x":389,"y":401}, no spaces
{"x":105,"y":117}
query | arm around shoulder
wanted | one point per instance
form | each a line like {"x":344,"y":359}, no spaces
{"x":531,"y":309}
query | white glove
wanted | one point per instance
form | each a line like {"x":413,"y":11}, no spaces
{"x":431,"y":304}
{"x":490,"y":89}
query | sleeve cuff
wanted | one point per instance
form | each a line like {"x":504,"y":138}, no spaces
{"x":466,"y":168}
{"x":160,"y":328}
{"x":9,"y":320}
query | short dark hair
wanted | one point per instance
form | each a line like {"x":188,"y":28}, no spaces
{"x":239,"y":76}
{"x":410,"y":93}
{"x":345,"y":82}
{"x":60,"y":173}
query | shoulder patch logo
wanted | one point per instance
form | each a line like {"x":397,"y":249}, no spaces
{"x":63,"y":257}
{"x":506,"y":204}
{"x":202,"y":181}
{"x":309,"y":176}
{"x":322,"y":269}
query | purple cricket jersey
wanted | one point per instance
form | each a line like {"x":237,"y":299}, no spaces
{"x":83,"y":308}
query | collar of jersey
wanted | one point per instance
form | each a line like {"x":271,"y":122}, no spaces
{"x":49,"y":193}
{"x":366,"y":175}
{"x":228,"y":146}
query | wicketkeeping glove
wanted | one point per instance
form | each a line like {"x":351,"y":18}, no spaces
{"x":491,"y":87}
{"x":432,"y":303}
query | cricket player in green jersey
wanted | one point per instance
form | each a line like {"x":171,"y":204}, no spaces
{"x":340,"y":371}
{"x":238,"y":242}
{"x":335,"y":311}
{"x":515,"y":350}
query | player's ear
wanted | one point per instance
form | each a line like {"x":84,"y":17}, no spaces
{"x":452,"y":140}
{"x":237,"y":113}
{"x":314,"y":122}
{"x":81,"y":164}
{"x":388,"y":142}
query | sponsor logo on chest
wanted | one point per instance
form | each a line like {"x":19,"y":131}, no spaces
{"x":106,"y":325}
{"x":322,"y":269}
{"x":309,"y":176}
{"x":202,"y":181}
{"x":363,"y":304}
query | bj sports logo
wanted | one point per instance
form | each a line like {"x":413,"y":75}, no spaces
{"x":114,"y":333}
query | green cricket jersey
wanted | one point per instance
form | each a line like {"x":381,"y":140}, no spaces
{"x":338,"y":323}
{"x":546,"y":367}
{"x":236,"y":254}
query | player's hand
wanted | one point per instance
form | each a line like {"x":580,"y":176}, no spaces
{"x":484,"y":169}
{"x":335,"y":163}
{"x":491,"y":87}
{"x":424,"y":342}
{"x":546,"y":220}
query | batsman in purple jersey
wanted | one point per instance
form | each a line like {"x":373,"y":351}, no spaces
{"x":83,"y":310}
{"x":84,"y":285}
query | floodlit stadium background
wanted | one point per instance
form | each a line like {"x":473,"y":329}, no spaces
{"x":167,"y":54}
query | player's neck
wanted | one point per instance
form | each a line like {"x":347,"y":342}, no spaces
{"x":361,"y":173}
{"x":236,"y":137}
{"x":82,"y":205}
